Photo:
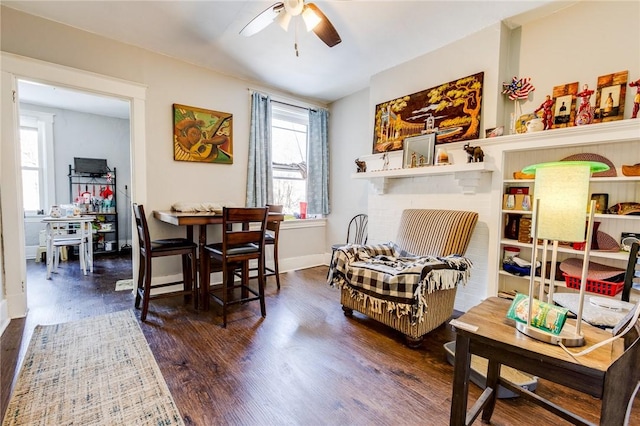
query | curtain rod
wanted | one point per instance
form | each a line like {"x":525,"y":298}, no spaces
{"x":292,"y":105}
{"x":307,"y":107}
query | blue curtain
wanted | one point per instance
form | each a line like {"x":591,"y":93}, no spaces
{"x":318,"y":157}
{"x":259,"y":172}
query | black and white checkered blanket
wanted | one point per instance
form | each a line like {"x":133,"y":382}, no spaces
{"x":386,"y":274}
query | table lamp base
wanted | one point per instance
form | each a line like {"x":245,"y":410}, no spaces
{"x":568,"y":336}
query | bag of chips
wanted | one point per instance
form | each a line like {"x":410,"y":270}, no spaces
{"x":545,"y":316}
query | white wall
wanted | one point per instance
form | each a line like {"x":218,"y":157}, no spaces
{"x":570,"y":45}
{"x":581,"y":43}
{"x":347,"y":138}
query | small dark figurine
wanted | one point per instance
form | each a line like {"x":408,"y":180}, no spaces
{"x":636,"y":99}
{"x":362,"y":166}
{"x":474,"y":154}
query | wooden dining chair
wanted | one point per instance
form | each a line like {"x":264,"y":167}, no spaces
{"x":243,"y":240}
{"x":271,"y":239}
{"x":160,"y":248}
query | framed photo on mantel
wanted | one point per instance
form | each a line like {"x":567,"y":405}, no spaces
{"x":564,"y":105}
{"x":610,"y":97}
{"x":418,"y":151}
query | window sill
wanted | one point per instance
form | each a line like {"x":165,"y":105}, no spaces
{"x":303,"y":223}
{"x":34,"y":219}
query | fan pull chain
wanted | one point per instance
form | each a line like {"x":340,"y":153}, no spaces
{"x":295,"y":42}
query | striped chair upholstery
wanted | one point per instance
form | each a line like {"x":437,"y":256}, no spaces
{"x":435,"y":232}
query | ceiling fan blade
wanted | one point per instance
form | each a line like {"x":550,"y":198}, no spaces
{"x":261,"y":21}
{"x":324,"y":30}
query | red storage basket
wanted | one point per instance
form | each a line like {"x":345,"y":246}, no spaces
{"x":595,"y":286}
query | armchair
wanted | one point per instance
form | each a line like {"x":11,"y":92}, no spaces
{"x":410,"y":284}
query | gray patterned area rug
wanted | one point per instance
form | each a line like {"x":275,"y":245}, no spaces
{"x":96,"y":371}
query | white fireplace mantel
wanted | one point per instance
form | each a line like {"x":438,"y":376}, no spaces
{"x":468,"y":175}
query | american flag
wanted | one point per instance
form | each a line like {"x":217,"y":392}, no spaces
{"x":519,"y":88}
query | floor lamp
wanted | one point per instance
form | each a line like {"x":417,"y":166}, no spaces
{"x":561,"y":195}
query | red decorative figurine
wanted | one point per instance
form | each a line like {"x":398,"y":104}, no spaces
{"x":636,"y":99}
{"x":547,"y":113}
{"x":585,"y":112}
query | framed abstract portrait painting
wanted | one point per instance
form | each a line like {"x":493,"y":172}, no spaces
{"x":202,"y":135}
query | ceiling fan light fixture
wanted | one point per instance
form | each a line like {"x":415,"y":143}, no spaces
{"x":283,"y":20}
{"x":293,"y":7}
{"x":310,"y":18}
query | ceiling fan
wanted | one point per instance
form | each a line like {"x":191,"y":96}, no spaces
{"x":283,"y":11}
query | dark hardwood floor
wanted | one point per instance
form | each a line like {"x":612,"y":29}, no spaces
{"x":306,"y":363}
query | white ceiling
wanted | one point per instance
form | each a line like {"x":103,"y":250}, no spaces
{"x":57,"y":97}
{"x":376,"y":35}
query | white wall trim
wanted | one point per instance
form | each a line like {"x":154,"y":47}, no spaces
{"x":44,"y":122}
{"x":286,"y":265}
{"x":303,"y":223}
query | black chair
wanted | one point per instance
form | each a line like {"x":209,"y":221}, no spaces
{"x":161,"y":248}
{"x":357,"y":233}
{"x":632,"y":274}
{"x":243,"y":240}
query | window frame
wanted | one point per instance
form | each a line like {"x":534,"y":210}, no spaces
{"x":300,"y":116}
{"x":43,"y":122}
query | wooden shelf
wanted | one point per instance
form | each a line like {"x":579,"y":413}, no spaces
{"x":596,"y":216}
{"x":616,"y":255}
{"x":556,"y":283}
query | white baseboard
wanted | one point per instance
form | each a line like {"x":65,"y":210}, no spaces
{"x":30,"y":252}
{"x":286,"y":265}
{"x":302,"y":262}
{"x":4,"y":316}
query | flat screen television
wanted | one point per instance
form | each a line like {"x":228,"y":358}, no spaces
{"x":90,"y":166}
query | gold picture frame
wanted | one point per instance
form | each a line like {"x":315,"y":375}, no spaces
{"x":564,"y":105}
{"x":202,"y":135}
{"x":610,"y":96}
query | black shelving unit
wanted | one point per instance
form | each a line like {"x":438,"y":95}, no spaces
{"x":96,"y":195}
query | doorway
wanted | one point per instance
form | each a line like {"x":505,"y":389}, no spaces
{"x":14,"y":69}
{"x":58,"y":128}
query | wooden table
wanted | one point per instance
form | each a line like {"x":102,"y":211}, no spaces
{"x":200,"y":219}
{"x":609,"y":373}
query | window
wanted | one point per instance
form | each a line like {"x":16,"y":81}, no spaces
{"x":289,"y":155}
{"x":36,"y":153}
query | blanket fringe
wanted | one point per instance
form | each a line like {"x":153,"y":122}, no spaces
{"x":446,"y":280}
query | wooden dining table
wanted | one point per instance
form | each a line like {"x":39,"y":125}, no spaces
{"x":201,"y":220}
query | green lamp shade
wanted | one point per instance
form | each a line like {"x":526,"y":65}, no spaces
{"x":595,"y":166}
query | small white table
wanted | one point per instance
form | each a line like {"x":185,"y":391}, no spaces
{"x":59,"y":234}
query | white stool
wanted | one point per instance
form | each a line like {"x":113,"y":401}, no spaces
{"x":42,"y":248}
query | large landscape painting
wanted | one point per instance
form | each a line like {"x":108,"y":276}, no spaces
{"x":452,"y":110}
